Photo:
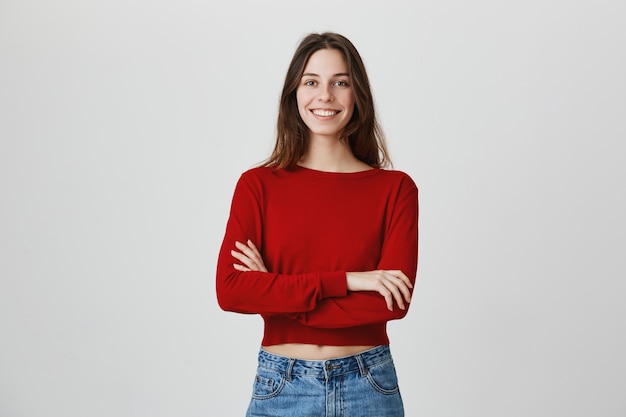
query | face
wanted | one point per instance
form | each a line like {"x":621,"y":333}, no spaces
{"x":325,"y":98}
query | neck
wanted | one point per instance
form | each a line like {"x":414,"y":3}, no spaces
{"x":331,"y":155}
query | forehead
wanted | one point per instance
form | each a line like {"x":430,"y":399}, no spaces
{"x":326,"y":62}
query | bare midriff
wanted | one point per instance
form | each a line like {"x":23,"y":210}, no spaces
{"x":314,"y":352}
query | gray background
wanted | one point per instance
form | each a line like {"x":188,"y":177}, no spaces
{"x":124,"y":126}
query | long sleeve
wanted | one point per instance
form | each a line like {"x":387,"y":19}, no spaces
{"x":399,"y":251}
{"x":263,"y":292}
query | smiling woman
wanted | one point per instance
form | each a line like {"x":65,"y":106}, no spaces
{"x":362,"y":132}
{"x":322,"y":243}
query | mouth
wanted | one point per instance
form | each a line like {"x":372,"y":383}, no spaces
{"x":326,"y":114}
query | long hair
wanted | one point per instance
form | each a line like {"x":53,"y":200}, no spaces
{"x":363,"y":133}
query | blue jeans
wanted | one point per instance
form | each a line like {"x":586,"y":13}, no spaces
{"x":361,"y":385}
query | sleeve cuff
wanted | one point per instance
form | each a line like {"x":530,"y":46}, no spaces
{"x":333,"y":284}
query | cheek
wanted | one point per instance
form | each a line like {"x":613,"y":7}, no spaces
{"x":349,"y":100}
{"x":350,"y":103}
{"x":300,"y":102}
{"x":301,"y":97}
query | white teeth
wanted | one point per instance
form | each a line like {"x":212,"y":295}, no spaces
{"x":324,"y":113}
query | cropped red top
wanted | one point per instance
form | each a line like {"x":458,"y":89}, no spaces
{"x":312,"y":227}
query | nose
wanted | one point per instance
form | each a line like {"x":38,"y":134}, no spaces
{"x":325,"y":94}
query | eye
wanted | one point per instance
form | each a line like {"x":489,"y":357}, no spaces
{"x":341,"y":83}
{"x":310,"y":83}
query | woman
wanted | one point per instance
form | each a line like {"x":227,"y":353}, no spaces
{"x":322,"y":242}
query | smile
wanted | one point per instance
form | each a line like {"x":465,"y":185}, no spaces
{"x":324,"y":113}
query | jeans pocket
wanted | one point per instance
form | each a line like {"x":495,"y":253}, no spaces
{"x":267,"y":384}
{"x":383,"y":378}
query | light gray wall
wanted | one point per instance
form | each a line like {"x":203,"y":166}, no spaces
{"x":125,"y":124}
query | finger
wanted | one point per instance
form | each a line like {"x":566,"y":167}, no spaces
{"x":241,"y":268}
{"x":257,"y":255}
{"x":383,"y":289}
{"x":254,"y":248}
{"x":398,"y":288}
{"x":395,"y":293}
{"x":403,"y":277}
{"x":254,"y":256}
{"x":402,"y":287}
{"x":402,"y":282}
{"x":243,"y":248}
{"x":240,"y":257}
{"x":388,"y":298}
{"x":244,"y":260}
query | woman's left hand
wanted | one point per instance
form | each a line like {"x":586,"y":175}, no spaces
{"x":249,"y":256}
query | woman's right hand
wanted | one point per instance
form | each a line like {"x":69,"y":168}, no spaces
{"x":392,"y":285}
{"x":249,"y":256}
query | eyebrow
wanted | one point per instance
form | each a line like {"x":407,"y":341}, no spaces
{"x":310,"y":74}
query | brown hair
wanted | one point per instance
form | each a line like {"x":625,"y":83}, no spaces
{"x":362,"y":132}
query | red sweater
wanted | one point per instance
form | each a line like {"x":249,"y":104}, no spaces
{"x":311,"y":228}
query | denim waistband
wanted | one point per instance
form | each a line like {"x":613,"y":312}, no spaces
{"x":325,"y":368}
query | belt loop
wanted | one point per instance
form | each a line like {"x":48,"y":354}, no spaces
{"x":290,"y":364}
{"x":362,"y":367}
